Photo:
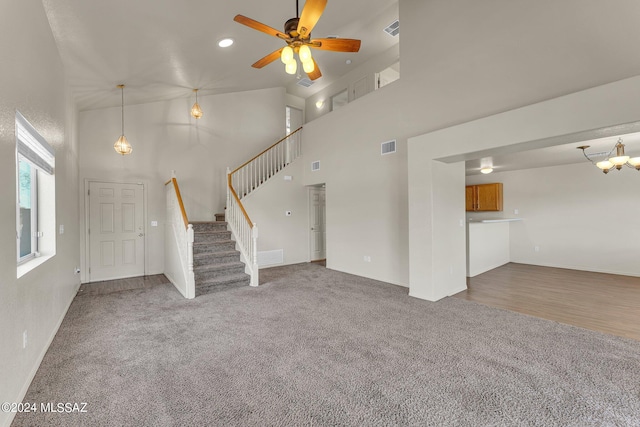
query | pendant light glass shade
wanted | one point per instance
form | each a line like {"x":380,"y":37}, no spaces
{"x":291,"y":67}
{"x":308,"y":66}
{"x":196,"y":111}
{"x":286,"y":55}
{"x":122,"y":146}
{"x":304,"y":53}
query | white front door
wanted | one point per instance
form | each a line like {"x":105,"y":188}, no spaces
{"x":317,"y":220}
{"x":116,"y":230}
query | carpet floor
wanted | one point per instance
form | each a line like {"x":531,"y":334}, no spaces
{"x":312,"y":346}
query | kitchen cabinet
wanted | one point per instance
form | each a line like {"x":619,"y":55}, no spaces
{"x":484,"y":197}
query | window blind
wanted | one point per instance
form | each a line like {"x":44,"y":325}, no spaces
{"x":33,"y":147}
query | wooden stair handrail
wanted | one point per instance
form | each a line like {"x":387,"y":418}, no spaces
{"x":235,"y":196}
{"x":264,"y":151}
{"x":184,"y":212}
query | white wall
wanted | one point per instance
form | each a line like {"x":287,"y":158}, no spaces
{"x":164,"y":137}
{"x":267,"y":207}
{"x":579,"y":217}
{"x":32,"y":81}
{"x":460,"y":61}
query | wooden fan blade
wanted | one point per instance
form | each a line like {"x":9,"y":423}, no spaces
{"x":268,"y":59}
{"x":310,"y":15}
{"x":251,"y":23}
{"x":336,"y":45}
{"x":315,"y":74}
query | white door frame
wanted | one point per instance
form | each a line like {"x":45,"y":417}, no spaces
{"x":87,"y":222}
{"x":310,"y":190}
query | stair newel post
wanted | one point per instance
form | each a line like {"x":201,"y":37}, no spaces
{"x":191,"y":278}
{"x":254,"y":255}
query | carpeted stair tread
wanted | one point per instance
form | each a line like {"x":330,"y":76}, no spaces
{"x":214,"y":267}
{"x":215,"y":254}
{"x":241,"y":278}
{"x":216,"y":242}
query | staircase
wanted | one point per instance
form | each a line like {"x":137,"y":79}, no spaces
{"x":216,"y":262}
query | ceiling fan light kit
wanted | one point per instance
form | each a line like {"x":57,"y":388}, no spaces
{"x":617,"y":161}
{"x":297,"y":35}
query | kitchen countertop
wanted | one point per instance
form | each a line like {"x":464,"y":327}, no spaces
{"x":478,"y":221}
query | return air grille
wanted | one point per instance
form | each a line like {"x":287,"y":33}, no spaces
{"x":305,"y":82}
{"x":388,"y":147}
{"x":393,"y":29}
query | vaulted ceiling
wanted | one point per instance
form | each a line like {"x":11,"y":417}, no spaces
{"x":163,"y":49}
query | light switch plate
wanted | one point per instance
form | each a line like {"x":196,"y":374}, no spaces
{"x":154,"y":223}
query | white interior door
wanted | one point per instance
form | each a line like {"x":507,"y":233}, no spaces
{"x":317,"y":203}
{"x":360,"y":88}
{"x":116,"y":230}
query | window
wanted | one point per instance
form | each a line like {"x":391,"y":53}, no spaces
{"x":27,"y":210}
{"x":35,"y":196}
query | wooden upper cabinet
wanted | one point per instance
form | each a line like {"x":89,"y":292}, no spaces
{"x":484,"y":197}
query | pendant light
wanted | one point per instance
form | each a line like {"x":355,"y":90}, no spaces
{"x":122,"y":146}
{"x":196,"y":111}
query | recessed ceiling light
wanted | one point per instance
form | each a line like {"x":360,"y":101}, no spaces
{"x":225,"y":42}
{"x":348,"y":61}
{"x":486,"y":170}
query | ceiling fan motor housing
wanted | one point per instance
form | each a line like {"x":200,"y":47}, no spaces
{"x":291,"y":27}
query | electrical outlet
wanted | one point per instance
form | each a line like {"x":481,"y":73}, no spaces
{"x":24,"y":339}
{"x":367,"y":258}
{"x":516,"y":211}
{"x":154,"y":223}
{"x":536,"y":248}
{"x":61,"y":228}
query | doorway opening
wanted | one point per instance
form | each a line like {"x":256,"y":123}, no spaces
{"x":317,"y":224}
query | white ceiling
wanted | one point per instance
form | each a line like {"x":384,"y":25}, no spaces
{"x":163,"y":49}
{"x":554,"y":156}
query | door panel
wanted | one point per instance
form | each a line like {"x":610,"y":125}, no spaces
{"x":116,"y":231}
{"x":317,"y":221}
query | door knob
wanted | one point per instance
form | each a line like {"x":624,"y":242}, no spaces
{"x":140,"y":235}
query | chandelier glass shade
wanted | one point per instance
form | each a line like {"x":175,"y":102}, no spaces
{"x":612,"y":162}
{"x":122,"y":146}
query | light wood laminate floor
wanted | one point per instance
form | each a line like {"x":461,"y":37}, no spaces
{"x":600,"y":302}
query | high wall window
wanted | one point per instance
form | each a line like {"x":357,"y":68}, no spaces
{"x":35,"y":196}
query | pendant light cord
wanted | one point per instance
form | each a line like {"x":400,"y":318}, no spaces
{"x":122,"y":94}
{"x":297,"y":8}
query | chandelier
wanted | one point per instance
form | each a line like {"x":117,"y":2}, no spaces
{"x":610,"y":162}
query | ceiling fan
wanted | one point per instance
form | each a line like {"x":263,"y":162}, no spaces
{"x":297,"y":35}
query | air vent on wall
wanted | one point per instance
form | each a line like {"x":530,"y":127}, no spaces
{"x":315,"y":166}
{"x":305,"y":82}
{"x":388,"y":147}
{"x":393,"y":29}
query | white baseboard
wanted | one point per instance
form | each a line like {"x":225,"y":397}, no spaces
{"x":34,"y":370}
{"x":579,"y":268}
